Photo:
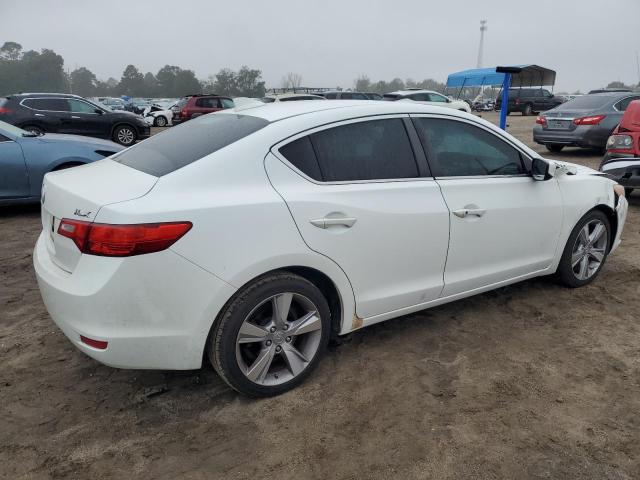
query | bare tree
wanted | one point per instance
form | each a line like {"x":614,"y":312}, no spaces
{"x":292,"y":80}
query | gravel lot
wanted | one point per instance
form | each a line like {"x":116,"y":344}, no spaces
{"x":530,"y":381}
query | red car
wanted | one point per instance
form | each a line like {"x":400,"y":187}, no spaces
{"x":193,"y":106}
{"x":622,"y":159}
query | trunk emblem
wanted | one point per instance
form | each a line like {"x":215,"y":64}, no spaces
{"x":79,"y":213}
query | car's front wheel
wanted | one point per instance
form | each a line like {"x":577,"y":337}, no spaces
{"x":271,"y":335}
{"x":586,"y":250}
{"x":125,"y":135}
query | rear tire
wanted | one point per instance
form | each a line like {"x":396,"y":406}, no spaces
{"x":554,"y":148}
{"x":527,"y":110}
{"x":160,"y":121}
{"x":586,"y":250}
{"x":260,"y":353}
{"x":125,"y":135}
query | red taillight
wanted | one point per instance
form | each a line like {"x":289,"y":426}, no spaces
{"x":183,"y":112}
{"x":99,"y":344}
{"x":122,"y":240}
{"x":4,"y":110}
{"x":541,"y":120}
{"x":593,"y":120}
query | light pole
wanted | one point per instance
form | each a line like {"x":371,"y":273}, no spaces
{"x":483,"y":28}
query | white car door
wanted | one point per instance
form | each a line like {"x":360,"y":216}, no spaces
{"x":359,"y":196}
{"x":504,"y":224}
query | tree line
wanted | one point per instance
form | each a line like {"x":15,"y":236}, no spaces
{"x":43,"y":71}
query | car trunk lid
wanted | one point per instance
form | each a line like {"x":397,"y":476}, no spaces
{"x":79,"y":193}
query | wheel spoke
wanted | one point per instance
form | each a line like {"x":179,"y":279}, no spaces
{"x":584,"y":268}
{"x":294,"y":359}
{"x":597,"y":233}
{"x":259,"y":369}
{"x":584,"y":235}
{"x":597,"y":254}
{"x":281,"y":306}
{"x":575,"y":258}
{"x":250,"y":333}
{"x":309,"y":323}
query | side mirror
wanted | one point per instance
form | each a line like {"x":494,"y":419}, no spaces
{"x":541,"y":170}
{"x":98,"y":111}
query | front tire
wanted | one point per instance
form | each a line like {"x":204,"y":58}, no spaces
{"x":125,"y":135}
{"x":586,"y":250}
{"x":271,"y":335}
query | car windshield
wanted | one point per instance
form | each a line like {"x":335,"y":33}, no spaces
{"x":185,"y":144}
{"x":15,"y":131}
{"x":586,"y":102}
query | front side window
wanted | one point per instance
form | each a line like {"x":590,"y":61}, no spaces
{"x":331,"y":96}
{"x":78,"y":106}
{"x":346,"y":96}
{"x":207,"y":103}
{"x":369,"y":150}
{"x":458,"y":149}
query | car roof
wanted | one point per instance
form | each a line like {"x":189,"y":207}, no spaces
{"x":41,"y":94}
{"x":408,"y":92}
{"x":276,"y":111}
{"x":291,"y":95}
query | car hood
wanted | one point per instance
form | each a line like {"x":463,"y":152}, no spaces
{"x":123,"y":115}
{"x":89,"y":141}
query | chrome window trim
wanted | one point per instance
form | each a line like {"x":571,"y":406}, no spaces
{"x":43,"y":98}
{"x":615,"y":105}
{"x":275,"y":151}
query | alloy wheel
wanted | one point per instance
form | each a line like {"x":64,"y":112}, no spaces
{"x":126,"y":136}
{"x":589,"y":249}
{"x":278,"y":339}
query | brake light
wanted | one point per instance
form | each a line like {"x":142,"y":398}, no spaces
{"x":122,"y":240}
{"x":541,"y":120}
{"x":4,"y":110}
{"x":593,"y":120}
{"x":183,"y":112}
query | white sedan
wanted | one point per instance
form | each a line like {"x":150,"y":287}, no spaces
{"x":427,"y":97}
{"x":250,"y":236}
{"x":158,"y":115}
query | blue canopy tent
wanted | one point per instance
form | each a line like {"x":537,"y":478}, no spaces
{"x":506,"y":76}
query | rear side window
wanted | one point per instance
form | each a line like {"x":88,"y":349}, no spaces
{"x":370,"y":150}
{"x":179,"y":146}
{"x":301,"y":155}
{"x":332,"y":96}
{"x":49,"y":104}
{"x":621,"y":105}
{"x":208,"y":103}
{"x":458,"y":149}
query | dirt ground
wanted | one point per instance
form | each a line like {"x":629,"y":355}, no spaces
{"x":529,"y":381}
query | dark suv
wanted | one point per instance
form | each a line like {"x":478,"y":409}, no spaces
{"x":193,"y":106}
{"x":529,"y":100}
{"x":63,"y":113}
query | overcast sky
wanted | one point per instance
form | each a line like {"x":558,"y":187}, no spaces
{"x":588,"y":42}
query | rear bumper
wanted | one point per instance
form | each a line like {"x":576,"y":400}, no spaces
{"x":155,"y":311}
{"x":584,"y":136}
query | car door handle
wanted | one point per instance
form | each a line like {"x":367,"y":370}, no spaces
{"x":329,"y":222}
{"x":38,"y":114}
{"x":76,"y":118}
{"x":466,"y":212}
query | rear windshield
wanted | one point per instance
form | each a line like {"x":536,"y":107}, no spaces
{"x":586,"y":102}
{"x":184,"y":144}
{"x":3,"y":101}
{"x":182,"y":102}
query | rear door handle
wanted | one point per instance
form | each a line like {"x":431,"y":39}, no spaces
{"x":38,"y":114}
{"x":466,"y":212}
{"x":328,"y":222}
{"x":76,"y":118}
